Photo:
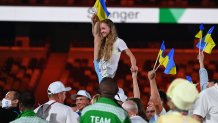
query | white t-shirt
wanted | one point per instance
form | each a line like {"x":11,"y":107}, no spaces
{"x":108,"y":68}
{"x":59,"y":113}
{"x":137,"y":119}
{"x":207,"y":105}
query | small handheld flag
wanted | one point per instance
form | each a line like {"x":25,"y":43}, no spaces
{"x":160,"y":55}
{"x":101,"y":9}
{"x":207,"y":44}
{"x":200,"y":33}
{"x":169,"y":64}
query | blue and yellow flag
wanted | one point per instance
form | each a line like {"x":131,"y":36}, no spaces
{"x":101,"y":9}
{"x":161,"y":53}
{"x":169,"y":64}
{"x":206,"y":43}
{"x":200,"y":33}
{"x":208,"y":38}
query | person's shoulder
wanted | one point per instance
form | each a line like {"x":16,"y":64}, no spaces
{"x":119,"y":39}
{"x":32,"y":119}
{"x":89,"y":108}
{"x":208,"y":91}
{"x":60,"y":105}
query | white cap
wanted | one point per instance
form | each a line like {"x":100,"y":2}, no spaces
{"x":120,"y":96}
{"x":57,"y":87}
{"x":81,"y":93}
{"x":183,"y":94}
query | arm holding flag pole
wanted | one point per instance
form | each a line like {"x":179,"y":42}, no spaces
{"x":202,"y":72}
{"x":155,"y":96}
{"x":96,"y":35}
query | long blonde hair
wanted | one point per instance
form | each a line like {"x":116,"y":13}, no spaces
{"x":106,"y":44}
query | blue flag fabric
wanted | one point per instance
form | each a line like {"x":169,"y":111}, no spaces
{"x":161,"y":53}
{"x":210,"y":31}
{"x":207,"y":44}
{"x":200,"y":33}
{"x":201,"y":44}
{"x":169,"y":64}
{"x":189,"y":78}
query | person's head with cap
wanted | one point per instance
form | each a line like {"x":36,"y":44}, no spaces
{"x":120,"y":96}
{"x":108,"y":88}
{"x":182,"y":95}
{"x":82,"y":99}
{"x":56,"y":91}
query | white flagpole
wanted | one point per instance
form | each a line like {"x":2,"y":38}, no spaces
{"x":156,"y":61}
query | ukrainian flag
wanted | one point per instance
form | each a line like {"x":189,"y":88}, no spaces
{"x":200,"y":33}
{"x":207,"y":44}
{"x":101,"y":9}
{"x":161,"y":53}
{"x":208,"y":36}
{"x":169,"y":64}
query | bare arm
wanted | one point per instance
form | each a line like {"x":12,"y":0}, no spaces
{"x":155,"y":97}
{"x":198,"y":118}
{"x":136,"y":91}
{"x":132,"y":60}
{"x":96,"y":34}
{"x":201,"y":59}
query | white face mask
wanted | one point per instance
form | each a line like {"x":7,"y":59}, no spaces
{"x":6,"y":103}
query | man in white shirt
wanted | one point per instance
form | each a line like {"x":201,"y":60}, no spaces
{"x":132,"y":109}
{"x":54,"y":110}
{"x":206,"y":107}
{"x":83,"y":99}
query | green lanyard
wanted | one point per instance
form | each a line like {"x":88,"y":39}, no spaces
{"x":27,"y":113}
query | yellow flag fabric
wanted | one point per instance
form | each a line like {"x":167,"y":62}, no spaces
{"x":199,"y":35}
{"x":101,"y":9}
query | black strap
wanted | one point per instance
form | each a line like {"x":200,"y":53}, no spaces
{"x":47,"y":107}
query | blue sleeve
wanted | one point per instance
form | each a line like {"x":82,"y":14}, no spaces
{"x":203,"y":78}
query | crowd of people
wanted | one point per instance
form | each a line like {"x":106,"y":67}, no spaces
{"x":181,"y":103}
{"x":111,"y":105}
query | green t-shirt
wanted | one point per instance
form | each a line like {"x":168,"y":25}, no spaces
{"x":105,"y":110}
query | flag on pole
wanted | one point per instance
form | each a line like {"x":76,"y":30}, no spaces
{"x":169,"y":64}
{"x":161,"y":53}
{"x":200,"y":33}
{"x":101,"y":9}
{"x":208,"y":38}
{"x":207,"y":44}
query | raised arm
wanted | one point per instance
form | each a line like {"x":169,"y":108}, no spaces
{"x":155,"y":96}
{"x":136,"y":91}
{"x":96,"y":34}
{"x":132,"y":60}
{"x":202,"y":72}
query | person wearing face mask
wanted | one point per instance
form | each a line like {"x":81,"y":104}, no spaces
{"x":26,"y":104}
{"x":9,"y":107}
{"x":54,"y":111}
